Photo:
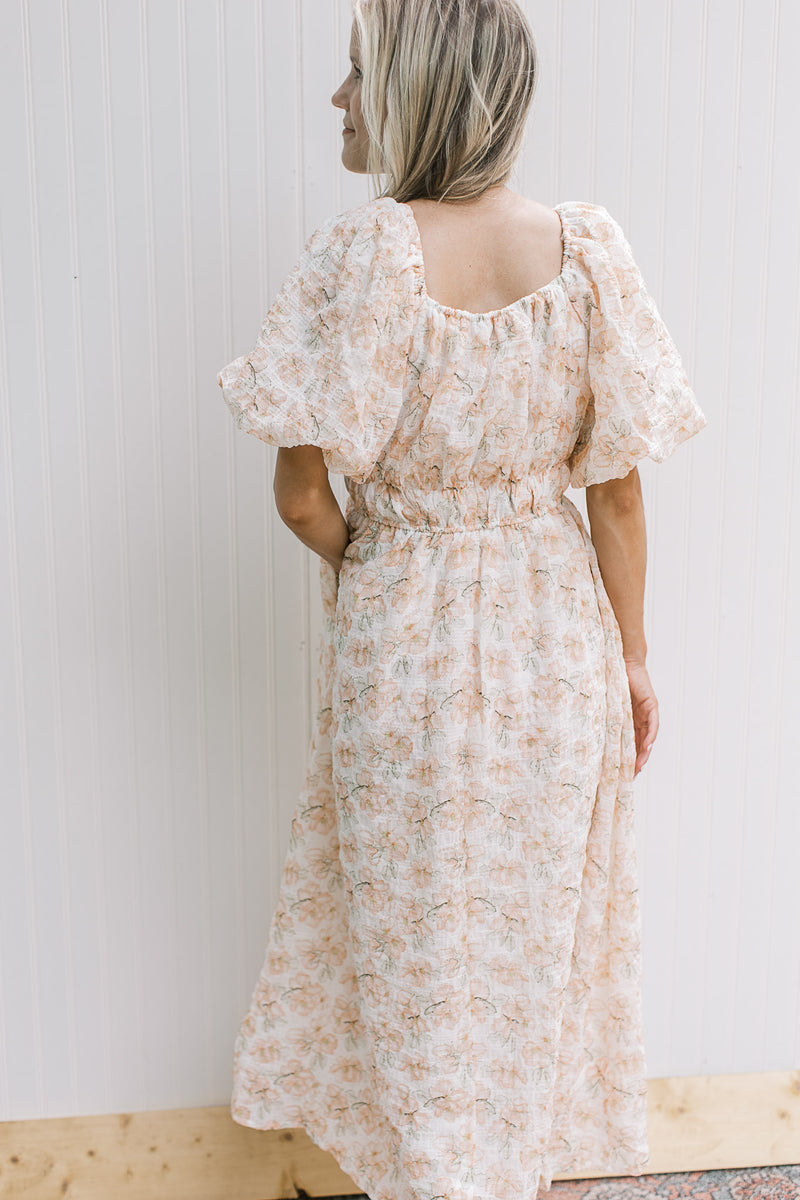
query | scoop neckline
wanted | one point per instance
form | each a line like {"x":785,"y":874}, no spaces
{"x":553,"y":284}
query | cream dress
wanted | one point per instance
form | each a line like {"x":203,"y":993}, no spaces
{"x":450,"y":1001}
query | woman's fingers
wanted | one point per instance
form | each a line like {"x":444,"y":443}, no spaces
{"x":645,"y":711}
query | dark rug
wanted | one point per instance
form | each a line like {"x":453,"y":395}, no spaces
{"x":755,"y":1183}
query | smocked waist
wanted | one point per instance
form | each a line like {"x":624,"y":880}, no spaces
{"x":464,"y":506}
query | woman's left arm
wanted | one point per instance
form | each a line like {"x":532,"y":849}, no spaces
{"x":306,"y":503}
{"x":616,"y":520}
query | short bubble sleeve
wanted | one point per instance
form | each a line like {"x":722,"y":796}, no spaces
{"x":329,"y":364}
{"x":641,"y":403}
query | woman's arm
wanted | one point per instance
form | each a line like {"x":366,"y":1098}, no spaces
{"x":616,"y":519}
{"x":306,"y":503}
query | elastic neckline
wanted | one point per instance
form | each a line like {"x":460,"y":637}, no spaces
{"x":554,"y":284}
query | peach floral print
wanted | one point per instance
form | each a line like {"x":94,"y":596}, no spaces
{"x":450,"y":1001}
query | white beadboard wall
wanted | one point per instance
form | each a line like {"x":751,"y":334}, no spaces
{"x":163,"y":164}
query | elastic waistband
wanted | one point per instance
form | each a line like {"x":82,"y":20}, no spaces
{"x":461,"y":508}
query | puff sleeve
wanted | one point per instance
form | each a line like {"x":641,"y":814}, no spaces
{"x":329,"y":364}
{"x":641,"y":404}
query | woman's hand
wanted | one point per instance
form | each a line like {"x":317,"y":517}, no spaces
{"x":645,"y":710}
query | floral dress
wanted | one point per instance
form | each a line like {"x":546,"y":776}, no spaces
{"x":450,"y":1001}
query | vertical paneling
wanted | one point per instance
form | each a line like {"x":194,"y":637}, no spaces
{"x":164,"y":163}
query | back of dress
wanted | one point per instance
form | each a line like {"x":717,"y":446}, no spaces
{"x":470,"y":956}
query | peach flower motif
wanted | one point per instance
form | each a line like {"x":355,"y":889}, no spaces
{"x":348,"y":1069}
{"x":324,"y":954}
{"x":316,"y":1038}
{"x":507,"y":874}
{"x":318,"y":908}
{"x":440,"y":663}
{"x":307,"y":995}
{"x":384,"y":847}
{"x":296,"y":1079}
{"x":317,"y":814}
{"x":347,"y":1012}
{"x":277,"y":960}
{"x":372,"y":895}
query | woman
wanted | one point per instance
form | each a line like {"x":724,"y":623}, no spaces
{"x":450,"y":999}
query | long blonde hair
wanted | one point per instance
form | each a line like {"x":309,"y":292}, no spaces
{"x":445,"y":93}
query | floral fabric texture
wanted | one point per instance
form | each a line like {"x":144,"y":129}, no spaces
{"x":450,"y":1001}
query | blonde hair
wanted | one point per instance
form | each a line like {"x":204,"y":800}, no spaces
{"x":445,"y":93}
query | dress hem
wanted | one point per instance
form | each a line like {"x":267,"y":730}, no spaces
{"x":346,"y":1163}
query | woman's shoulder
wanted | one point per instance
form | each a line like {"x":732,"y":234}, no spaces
{"x":590,"y":220}
{"x":368,"y":217}
{"x":362,"y":241}
{"x":362,"y":256}
{"x":597,"y":246}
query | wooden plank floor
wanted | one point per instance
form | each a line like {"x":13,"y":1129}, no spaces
{"x":696,"y":1124}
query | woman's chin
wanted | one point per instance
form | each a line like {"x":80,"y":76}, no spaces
{"x":351,"y":163}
